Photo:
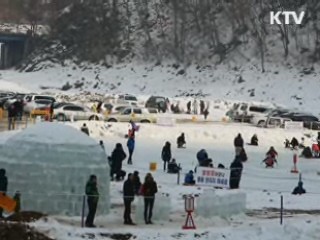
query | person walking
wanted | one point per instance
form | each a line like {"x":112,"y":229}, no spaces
{"x":3,"y":185}
{"x":92,"y":199}
{"x":128,"y":197}
{"x":130,"y":145}
{"x":148,"y":190}
{"x":166,"y":154}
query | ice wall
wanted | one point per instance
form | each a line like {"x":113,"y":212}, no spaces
{"x":224,"y":205}
{"x":161,"y":209}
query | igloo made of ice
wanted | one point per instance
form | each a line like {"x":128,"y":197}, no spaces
{"x":50,"y":163}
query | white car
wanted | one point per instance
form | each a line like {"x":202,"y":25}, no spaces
{"x":127,"y":98}
{"x":113,"y":108}
{"x":263,"y":120}
{"x":33,"y":97}
{"x":36,"y":104}
{"x":74,"y":112}
{"x":143,"y":115}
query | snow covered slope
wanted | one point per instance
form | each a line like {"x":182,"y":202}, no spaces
{"x":296,"y":88}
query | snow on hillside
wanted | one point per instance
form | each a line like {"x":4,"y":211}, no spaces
{"x":283,"y":86}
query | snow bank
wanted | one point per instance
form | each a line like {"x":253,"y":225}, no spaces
{"x":49,"y":163}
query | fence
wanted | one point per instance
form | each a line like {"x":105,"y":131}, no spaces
{"x":19,"y":122}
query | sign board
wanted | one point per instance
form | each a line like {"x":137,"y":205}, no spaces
{"x":166,"y":121}
{"x":293,"y":125}
{"x":214,"y":177}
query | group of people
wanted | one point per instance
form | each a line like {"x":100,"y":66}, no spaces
{"x":204,"y":110}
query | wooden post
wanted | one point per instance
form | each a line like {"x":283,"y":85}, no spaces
{"x":83,"y":210}
{"x":281,"y":210}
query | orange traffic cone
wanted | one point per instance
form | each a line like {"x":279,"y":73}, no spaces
{"x":295,"y":160}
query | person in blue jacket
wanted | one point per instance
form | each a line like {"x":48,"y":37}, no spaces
{"x":189,"y":179}
{"x":130,"y":145}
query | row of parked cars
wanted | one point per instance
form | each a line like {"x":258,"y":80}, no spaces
{"x":125,"y":109}
{"x":271,"y":116}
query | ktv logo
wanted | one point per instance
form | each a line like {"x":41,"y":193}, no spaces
{"x":289,"y":17}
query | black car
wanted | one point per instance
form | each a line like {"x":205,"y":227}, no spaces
{"x":309,"y":121}
{"x":157,"y":102}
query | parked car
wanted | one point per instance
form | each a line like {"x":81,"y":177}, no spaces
{"x":157,"y":102}
{"x":244,"y":112}
{"x":262,"y":120}
{"x":143,"y":115}
{"x":113,"y":108}
{"x":309,"y":120}
{"x":32,"y":97}
{"x":70,"y":111}
{"x":36,"y":104}
{"x":132,"y":100}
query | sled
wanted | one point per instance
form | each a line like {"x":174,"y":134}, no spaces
{"x":7,"y":203}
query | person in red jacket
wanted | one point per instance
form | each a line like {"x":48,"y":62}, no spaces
{"x":148,"y":190}
{"x":271,"y":157}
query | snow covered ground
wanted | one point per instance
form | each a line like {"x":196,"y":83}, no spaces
{"x":262,"y":186}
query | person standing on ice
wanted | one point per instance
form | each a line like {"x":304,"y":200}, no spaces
{"x":189,"y":107}
{"x":118,"y":155}
{"x":85,"y":129}
{"x":148,"y":190}
{"x":195,"y":106}
{"x":202,"y":107}
{"x":238,"y":141}
{"x":3,"y":185}
{"x":136,"y":182}
{"x":166,"y":154}
{"x":235,"y":173}
{"x":130,"y":145}
{"x":92,"y":199}
{"x":128,"y":197}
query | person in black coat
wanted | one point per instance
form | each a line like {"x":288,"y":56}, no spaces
{"x":238,"y":141}
{"x":136,"y":182}
{"x":243,"y":155}
{"x":12,"y":113}
{"x":128,"y":197}
{"x":118,"y":155}
{"x":166,"y":155}
{"x":189,"y":107}
{"x":148,"y":190}
{"x":173,"y":167}
{"x":235,"y":173}
{"x":3,"y":185}
{"x":294,"y":143}
{"x":181,"y":141}
{"x":254,"y":140}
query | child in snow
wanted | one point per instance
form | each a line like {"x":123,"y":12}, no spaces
{"x":189,"y":179}
{"x":270,"y":160}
